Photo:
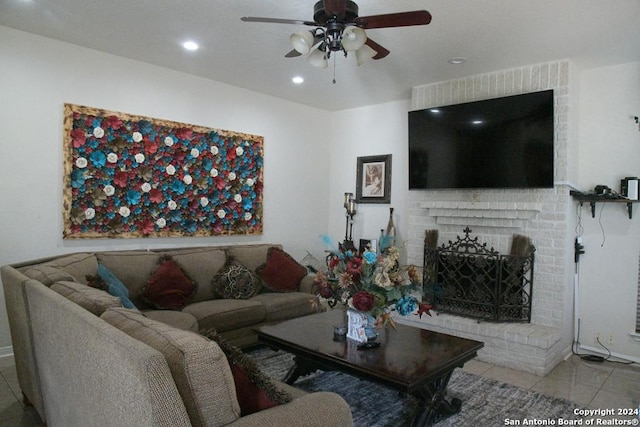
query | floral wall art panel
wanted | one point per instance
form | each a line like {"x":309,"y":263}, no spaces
{"x":132,"y":176}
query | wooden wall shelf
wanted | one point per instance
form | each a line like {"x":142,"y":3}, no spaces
{"x":593,"y":199}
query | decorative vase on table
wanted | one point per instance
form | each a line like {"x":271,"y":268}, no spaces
{"x":361,"y":326}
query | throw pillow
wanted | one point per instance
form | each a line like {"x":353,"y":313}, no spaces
{"x":114,"y":286}
{"x":235,"y":281}
{"x":281,"y":273}
{"x":255,"y":390}
{"x":169,"y":288}
{"x":97,"y":282}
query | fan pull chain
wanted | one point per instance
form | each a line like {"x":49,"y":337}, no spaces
{"x":334,"y":69}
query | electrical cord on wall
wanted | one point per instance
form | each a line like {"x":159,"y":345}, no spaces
{"x":608,"y":358}
{"x":604,"y":237}
{"x":585,"y":356}
{"x":579,"y":228}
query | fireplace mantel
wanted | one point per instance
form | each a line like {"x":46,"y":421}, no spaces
{"x":488,"y":214}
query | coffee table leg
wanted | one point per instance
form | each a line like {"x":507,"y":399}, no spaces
{"x":433,"y":405}
{"x":301,"y":367}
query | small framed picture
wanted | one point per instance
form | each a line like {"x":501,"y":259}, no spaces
{"x":373,"y":179}
{"x":368,"y":245}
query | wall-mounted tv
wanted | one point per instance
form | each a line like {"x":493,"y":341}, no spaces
{"x":495,"y":143}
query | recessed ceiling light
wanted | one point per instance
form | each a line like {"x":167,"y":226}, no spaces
{"x":458,"y":60}
{"x":477,"y":122}
{"x":434,"y":110}
{"x":190,"y":45}
{"x":297,"y":80}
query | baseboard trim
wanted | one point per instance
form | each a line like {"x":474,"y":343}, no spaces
{"x":614,"y":355}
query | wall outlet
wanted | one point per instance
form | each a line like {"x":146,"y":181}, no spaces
{"x":601,"y":339}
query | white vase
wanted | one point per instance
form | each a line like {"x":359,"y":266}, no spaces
{"x":361,"y":326}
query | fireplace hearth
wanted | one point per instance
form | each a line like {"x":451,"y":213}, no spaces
{"x":467,"y":279}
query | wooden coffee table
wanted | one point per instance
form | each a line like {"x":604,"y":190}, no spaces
{"x":409,"y":359}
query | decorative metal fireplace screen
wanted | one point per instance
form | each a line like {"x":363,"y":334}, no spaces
{"x":467,"y":279}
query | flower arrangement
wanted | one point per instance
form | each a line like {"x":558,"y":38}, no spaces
{"x":373,"y":283}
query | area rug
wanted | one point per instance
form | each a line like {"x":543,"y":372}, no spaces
{"x":485,"y":402}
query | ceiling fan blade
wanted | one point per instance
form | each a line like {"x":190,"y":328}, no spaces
{"x":381,"y":52}
{"x":277,"y":21}
{"x":335,"y":7}
{"x":402,"y":19}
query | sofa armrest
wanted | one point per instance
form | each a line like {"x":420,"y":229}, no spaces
{"x":319,"y":409}
{"x":92,"y":374}
{"x":307,"y":284}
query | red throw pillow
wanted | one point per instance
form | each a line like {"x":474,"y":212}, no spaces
{"x":281,"y":273}
{"x":255,"y":391}
{"x":168,"y":288}
{"x":250,"y":397}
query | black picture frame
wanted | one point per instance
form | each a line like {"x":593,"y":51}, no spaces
{"x":373,"y":179}
{"x":370,"y":244}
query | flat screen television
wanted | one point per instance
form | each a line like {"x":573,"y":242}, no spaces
{"x":495,"y":143}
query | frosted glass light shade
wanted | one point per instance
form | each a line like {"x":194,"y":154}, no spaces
{"x":353,"y":38}
{"x":364,"y":54}
{"x":302,"y":41}
{"x":318,"y":58}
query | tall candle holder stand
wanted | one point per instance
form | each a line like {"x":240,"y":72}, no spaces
{"x":350,"y":212}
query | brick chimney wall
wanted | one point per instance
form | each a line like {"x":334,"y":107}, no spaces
{"x":495,"y":215}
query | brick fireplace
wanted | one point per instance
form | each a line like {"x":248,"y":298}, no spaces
{"x":496,"y":215}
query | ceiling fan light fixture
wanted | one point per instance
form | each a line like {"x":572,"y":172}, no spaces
{"x":318,"y":58}
{"x":364,"y":54}
{"x":353,"y":38}
{"x":302,"y":41}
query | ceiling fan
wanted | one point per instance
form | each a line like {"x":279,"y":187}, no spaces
{"x":338,"y":28}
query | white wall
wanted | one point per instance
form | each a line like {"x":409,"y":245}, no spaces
{"x":38,"y":75}
{"x":369,"y":131}
{"x":609,"y":151}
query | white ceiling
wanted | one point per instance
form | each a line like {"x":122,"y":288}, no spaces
{"x":490,"y":34}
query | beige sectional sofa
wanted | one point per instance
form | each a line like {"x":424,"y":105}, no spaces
{"x":83,"y":359}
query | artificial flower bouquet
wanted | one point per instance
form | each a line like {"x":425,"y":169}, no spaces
{"x":371,"y":282}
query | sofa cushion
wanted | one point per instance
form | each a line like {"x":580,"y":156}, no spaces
{"x":168,"y":287}
{"x":226,"y":314}
{"x":114,"y":286}
{"x":74,"y":267}
{"x":133,"y":268}
{"x":92,"y":300}
{"x":281,"y":273}
{"x":198,"y":366}
{"x":235,"y":281}
{"x":281,"y":306}
{"x":200,"y":264}
{"x":255,"y":390}
{"x":177,"y":319}
{"x":251,"y":256}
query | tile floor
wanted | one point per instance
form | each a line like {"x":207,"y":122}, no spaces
{"x":591,"y":385}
